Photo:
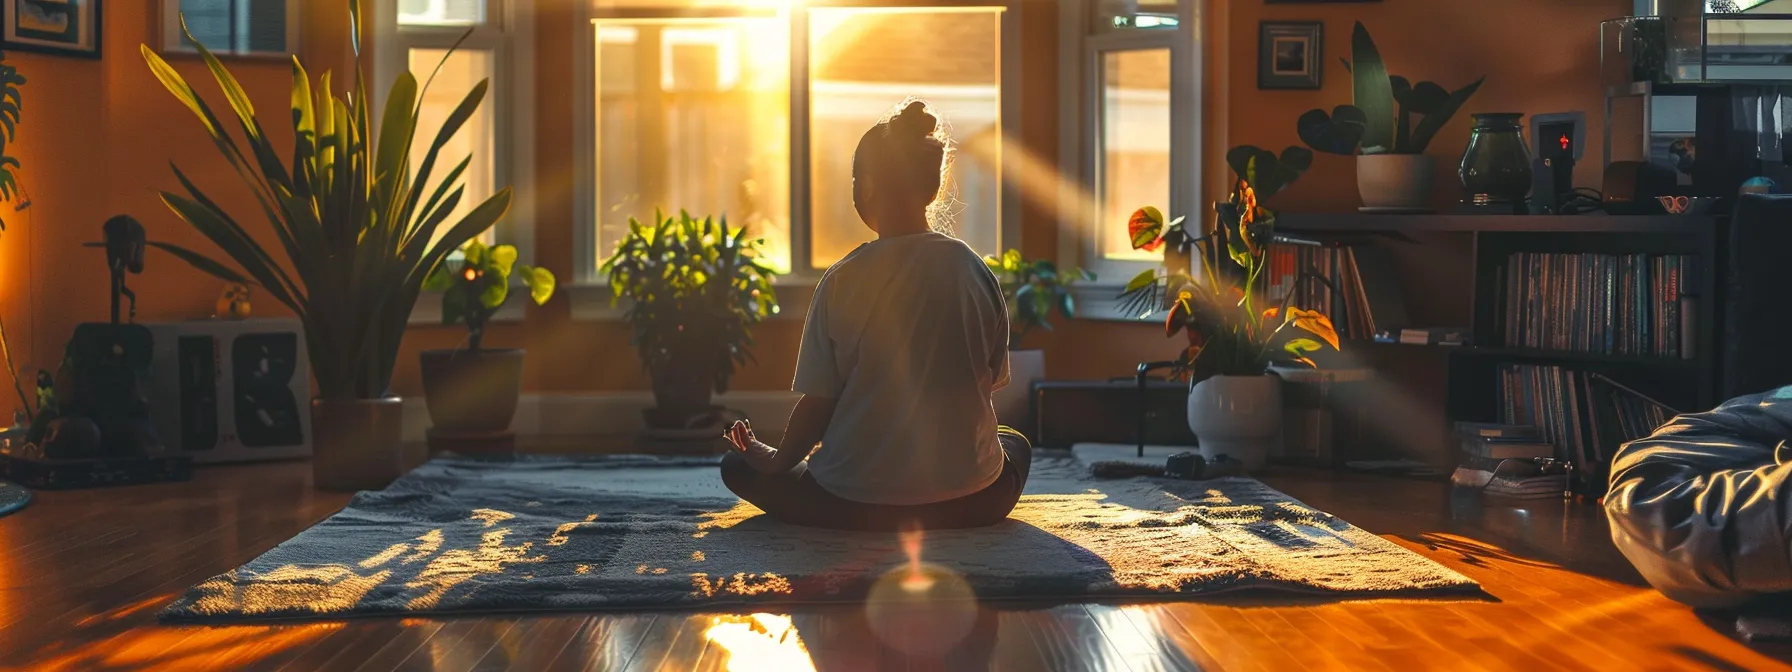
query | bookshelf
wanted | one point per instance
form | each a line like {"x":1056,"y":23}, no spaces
{"x":1454,"y":269}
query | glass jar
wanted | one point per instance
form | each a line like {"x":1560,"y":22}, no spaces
{"x":1496,"y":168}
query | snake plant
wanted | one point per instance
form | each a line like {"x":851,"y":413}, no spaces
{"x":357,"y":224}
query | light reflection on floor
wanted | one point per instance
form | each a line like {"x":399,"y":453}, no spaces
{"x":760,"y":643}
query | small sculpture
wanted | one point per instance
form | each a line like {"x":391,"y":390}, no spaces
{"x":125,"y":243}
{"x":234,"y":302}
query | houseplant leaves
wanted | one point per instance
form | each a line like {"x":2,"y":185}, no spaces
{"x":1340,"y":132}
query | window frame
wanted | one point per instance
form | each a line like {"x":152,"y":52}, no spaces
{"x":589,"y":287}
{"x":1080,"y":133}
{"x":506,"y":32}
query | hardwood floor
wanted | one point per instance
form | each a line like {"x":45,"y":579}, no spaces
{"x":83,"y":573}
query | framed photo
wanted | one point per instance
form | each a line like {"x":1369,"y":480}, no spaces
{"x":61,"y":27}
{"x":260,"y":29}
{"x":1290,"y":54}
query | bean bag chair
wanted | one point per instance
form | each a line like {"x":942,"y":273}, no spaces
{"x":1703,"y":507}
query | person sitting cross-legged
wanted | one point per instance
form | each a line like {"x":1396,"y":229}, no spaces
{"x":905,"y":340}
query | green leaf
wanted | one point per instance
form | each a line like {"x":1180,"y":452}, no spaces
{"x":203,"y":263}
{"x":540,"y":282}
{"x":1434,"y":121}
{"x":1011,"y":261}
{"x":1302,"y":346}
{"x":1145,"y":226}
{"x":503,"y":257}
{"x":1144,"y":279}
{"x":1374,"y":93}
{"x":495,"y":293}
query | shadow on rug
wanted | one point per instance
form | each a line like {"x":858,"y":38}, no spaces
{"x":556,"y":534}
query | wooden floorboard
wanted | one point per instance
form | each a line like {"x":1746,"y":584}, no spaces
{"x":83,"y":575}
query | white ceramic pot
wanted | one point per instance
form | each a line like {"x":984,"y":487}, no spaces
{"x":1237,"y":416}
{"x":1394,"y":181}
{"x":1013,"y":407}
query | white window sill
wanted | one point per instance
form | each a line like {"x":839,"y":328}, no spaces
{"x":1101,"y":303}
{"x":591,"y":303}
{"x":591,"y":300}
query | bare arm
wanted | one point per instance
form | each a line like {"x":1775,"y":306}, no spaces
{"x":808,"y":422}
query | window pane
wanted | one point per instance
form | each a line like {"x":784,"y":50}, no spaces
{"x":236,"y":25}
{"x":459,"y":74}
{"x":863,"y":62}
{"x":440,"y":12}
{"x":694,"y":115}
{"x":1135,"y":143}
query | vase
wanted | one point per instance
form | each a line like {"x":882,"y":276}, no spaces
{"x":472,"y":398}
{"x":1394,"y":182}
{"x":357,"y":444}
{"x":1013,"y":404}
{"x":1236,"y":416}
{"x":1496,"y":167}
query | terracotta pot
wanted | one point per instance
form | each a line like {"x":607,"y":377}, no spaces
{"x":1394,"y":181}
{"x":472,"y":391}
{"x":1013,"y":403}
{"x":1237,"y":416}
{"x":357,"y":444}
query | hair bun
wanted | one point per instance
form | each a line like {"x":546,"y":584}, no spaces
{"x":914,"y":121}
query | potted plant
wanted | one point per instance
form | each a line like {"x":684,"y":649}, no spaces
{"x":359,"y":229}
{"x":1387,"y":129}
{"x":472,"y":393}
{"x":696,"y":288}
{"x":1234,"y":404}
{"x":1033,"y":289}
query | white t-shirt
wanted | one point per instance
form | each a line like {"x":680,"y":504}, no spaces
{"x":909,"y":336}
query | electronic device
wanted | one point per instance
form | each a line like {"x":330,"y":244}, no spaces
{"x":232,"y":390}
{"x":1558,"y":138}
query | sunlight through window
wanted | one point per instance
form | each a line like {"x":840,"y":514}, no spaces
{"x":459,"y":74}
{"x":1135,"y":143}
{"x":865,"y":61}
{"x":709,"y":132}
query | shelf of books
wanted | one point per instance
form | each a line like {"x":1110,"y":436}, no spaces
{"x":1582,"y":332}
{"x":1582,"y":343}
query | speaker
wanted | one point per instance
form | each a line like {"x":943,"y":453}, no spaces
{"x":232,"y":390}
{"x":1072,"y":412}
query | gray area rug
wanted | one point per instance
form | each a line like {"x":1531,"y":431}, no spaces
{"x":460,"y":536}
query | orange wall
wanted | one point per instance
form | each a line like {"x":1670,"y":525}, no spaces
{"x":1539,"y":56}
{"x":97,"y":137}
{"x":95,"y":140}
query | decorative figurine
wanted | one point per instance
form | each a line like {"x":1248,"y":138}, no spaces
{"x":125,"y":243}
{"x":233,"y":304}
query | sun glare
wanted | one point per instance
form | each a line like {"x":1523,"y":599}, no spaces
{"x":759,"y":643}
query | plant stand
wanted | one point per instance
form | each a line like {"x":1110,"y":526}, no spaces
{"x":501,"y":443}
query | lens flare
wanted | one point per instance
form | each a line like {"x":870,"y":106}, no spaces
{"x":918,"y":608}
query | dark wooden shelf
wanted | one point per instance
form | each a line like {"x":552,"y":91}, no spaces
{"x":1351,"y":222}
{"x":1565,"y":356}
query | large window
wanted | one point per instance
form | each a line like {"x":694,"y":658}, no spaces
{"x":1131,"y":124}
{"x":753,"y":114}
{"x":417,"y":34}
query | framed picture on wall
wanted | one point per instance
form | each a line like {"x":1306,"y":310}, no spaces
{"x":61,"y":27}
{"x":239,"y":28}
{"x":1290,"y":54}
